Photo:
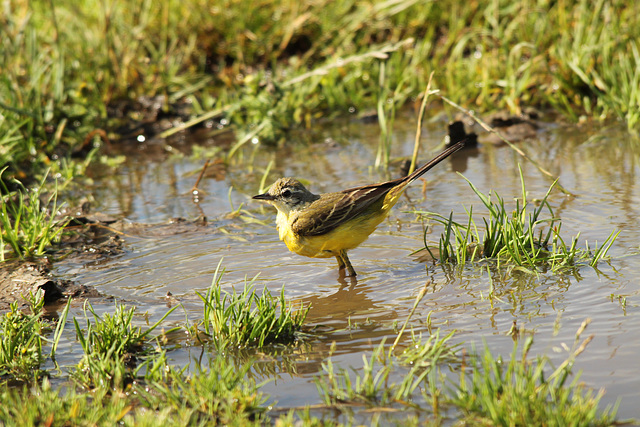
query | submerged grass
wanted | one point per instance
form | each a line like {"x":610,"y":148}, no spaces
{"x":522,"y":238}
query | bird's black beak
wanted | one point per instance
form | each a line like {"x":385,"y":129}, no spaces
{"x":265,"y":196}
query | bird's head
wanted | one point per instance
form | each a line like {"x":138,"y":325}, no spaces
{"x":287,"y":194}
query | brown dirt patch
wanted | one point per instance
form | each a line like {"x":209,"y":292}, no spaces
{"x":17,"y":279}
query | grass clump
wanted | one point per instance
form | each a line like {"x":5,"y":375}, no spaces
{"x":129,"y":382}
{"x":221,"y":394}
{"x":336,"y":387}
{"x":21,"y":343}
{"x":371,"y":386}
{"x":519,"y":392}
{"x":246,"y":319}
{"x":22,"y":335}
{"x":491,"y":391}
{"x":41,"y":404}
{"x":522,"y":238}
{"x":112,"y":345}
{"x":28,"y":225}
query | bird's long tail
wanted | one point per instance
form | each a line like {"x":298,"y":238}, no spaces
{"x":440,"y":157}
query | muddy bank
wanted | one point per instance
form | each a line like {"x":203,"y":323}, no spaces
{"x":18,"y":279}
{"x":92,"y":241}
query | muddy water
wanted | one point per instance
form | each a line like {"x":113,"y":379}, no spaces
{"x":598,"y":165}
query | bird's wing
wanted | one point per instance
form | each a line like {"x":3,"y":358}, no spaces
{"x":333,"y":209}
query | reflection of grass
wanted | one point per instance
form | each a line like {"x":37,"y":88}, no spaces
{"x":522,"y":238}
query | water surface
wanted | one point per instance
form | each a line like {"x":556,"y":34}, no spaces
{"x":599,"y":166}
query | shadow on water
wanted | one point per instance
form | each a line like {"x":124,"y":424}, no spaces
{"x":600,"y":166}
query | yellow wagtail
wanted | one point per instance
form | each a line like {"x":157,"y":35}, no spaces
{"x":327,"y":225}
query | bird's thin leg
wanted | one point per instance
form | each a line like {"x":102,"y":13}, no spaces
{"x":346,"y":263}
{"x":341,"y":264}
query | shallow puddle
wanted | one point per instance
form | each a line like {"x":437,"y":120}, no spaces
{"x":599,"y":166}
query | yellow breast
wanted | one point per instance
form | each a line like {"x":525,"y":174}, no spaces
{"x":346,"y":236}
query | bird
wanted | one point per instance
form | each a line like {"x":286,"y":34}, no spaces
{"x":328,"y":225}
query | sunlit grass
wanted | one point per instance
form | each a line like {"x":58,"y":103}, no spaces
{"x":41,"y":404}
{"x":241,"y":319}
{"x":337,"y":386}
{"x":20,"y":344}
{"x":219,"y":395}
{"x":221,"y":392}
{"x":491,"y":390}
{"x":28,"y":225}
{"x":125,"y":376}
{"x":521,"y":392}
{"x":23,"y":333}
{"x":272,"y":66}
{"x":524,"y":237}
{"x":112,"y":346}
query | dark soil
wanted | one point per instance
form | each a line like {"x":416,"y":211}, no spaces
{"x":18,"y":279}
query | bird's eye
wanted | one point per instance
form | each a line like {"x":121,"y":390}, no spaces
{"x":286,"y":193}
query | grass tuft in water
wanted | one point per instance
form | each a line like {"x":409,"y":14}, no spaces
{"x":520,"y":392}
{"x":117,"y":358}
{"x":112,"y":346}
{"x":491,"y":391}
{"x":336,"y":387}
{"x":222,"y":393}
{"x":522,"y":238}
{"x":424,"y":357}
{"x":246,"y":319}
{"x":371,"y":386}
{"x":22,"y":335}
